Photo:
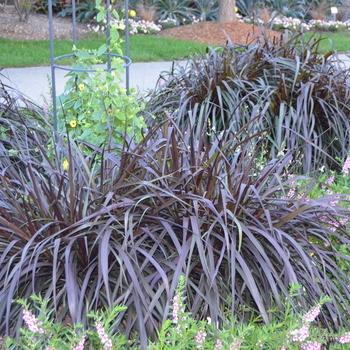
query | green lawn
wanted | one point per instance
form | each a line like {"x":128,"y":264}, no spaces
{"x":143,"y":48}
{"x":340,"y":41}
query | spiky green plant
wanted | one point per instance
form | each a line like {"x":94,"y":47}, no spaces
{"x":178,"y":10}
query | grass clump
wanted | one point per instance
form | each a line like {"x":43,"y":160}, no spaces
{"x":292,"y":89}
{"x":204,"y":194}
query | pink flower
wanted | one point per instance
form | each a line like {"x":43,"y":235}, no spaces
{"x":107,"y":343}
{"x":300,"y":334}
{"x":329,"y":181}
{"x":346,"y":166}
{"x":176,"y":308}
{"x":311,"y":346}
{"x":80,"y":345}
{"x":312,"y":314}
{"x":32,"y":322}
{"x":218,"y":345}
{"x":236,"y":344}
{"x":200,"y":338}
{"x":46,"y":108}
{"x":344,"y":339}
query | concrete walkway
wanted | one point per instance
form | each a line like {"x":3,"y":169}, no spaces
{"x":34,"y":81}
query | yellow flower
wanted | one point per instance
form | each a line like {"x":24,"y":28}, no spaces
{"x":236,"y":9}
{"x":81,"y":86}
{"x":311,"y":254}
{"x":73,"y":123}
{"x":132,"y":13}
{"x":65,"y":165}
{"x":121,"y":26}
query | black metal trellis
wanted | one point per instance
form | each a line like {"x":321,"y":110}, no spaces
{"x":109,"y":55}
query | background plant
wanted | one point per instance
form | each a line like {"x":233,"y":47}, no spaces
{"x":207,"y":10}
{"x":248,"y":8}
{"x":288,"y":8}
{"x":298,"y":92}
{"x":180,"y":11}
{"x":85,"y":11}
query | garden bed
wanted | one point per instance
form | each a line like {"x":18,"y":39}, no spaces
{"x":208,"y":32}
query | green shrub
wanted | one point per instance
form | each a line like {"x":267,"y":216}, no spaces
{"x":179,"y":331}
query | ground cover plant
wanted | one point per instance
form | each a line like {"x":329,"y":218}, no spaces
{"x":300,"y":94}
{"x":179,"y":331}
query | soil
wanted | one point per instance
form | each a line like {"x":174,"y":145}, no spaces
{"x":217,"y":34}
{"x":37,"y":28}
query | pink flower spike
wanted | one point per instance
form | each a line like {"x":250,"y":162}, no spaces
{"x":344,"y":339}
{"x":300,"y":334}
{"x":311,"y":346}
{"x":312,"y":314}
{"x":80,"y":345}
{"x":107,"y":343}
{"x":218,"y":345}
{"x":32,"y":322}
{"x":346,"y":166}
{"x":200,"y":338}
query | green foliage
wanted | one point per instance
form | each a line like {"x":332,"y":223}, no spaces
{"x":94,"y":107}
{"x":288,"y":8}
{"x":43,"y":333}
{"x":167,"y":23}
{"x":248,"y":7}
{"x":207,"y":10}
{"x":180,"y":10}
{"x":179,"y":331}
{"x":85,"y":11}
